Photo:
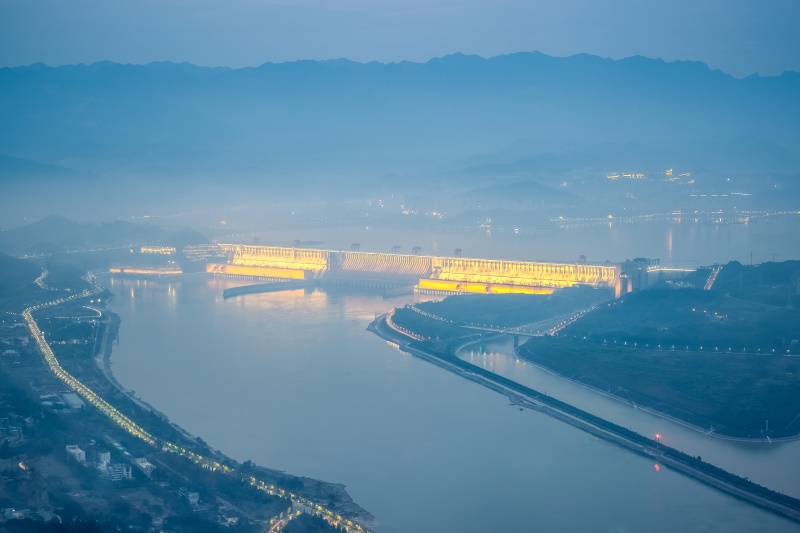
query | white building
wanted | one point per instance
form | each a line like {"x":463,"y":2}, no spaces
{"x":103,"y":458}
{"x":120,"y":471}
{"x":145,"y":466}
{"x":76,"y":453}
{"x":73,"y":400}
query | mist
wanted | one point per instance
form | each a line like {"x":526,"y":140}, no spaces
{"x":444,"y":284}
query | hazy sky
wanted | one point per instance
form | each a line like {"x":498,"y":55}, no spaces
{"x":737,"y":36}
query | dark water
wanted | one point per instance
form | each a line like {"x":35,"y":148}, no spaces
{"x":294,"y":381}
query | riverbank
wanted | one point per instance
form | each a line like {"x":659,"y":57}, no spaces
{"x":718,"y":364}
{"x":728,"y":394}
{"x":443,"y":356}
{"x":334,"y":494}
{"x":660,"y":414}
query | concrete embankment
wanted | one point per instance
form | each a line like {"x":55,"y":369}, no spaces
{"x":275,"y":286}
{"x":526,"y":397}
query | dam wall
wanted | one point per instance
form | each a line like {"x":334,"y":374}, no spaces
{"x":428,"y":273}
{"x":413,"y":266}
{"x":278,"y":257}
{"x":522,"y":273}
{"x":256,"y":272}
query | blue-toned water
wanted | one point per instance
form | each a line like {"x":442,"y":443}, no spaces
{"x":294,"y":381}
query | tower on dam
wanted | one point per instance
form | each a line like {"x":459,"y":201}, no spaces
{"x":430,"y":274}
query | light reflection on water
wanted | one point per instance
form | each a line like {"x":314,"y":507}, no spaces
{"x":293,"y":381}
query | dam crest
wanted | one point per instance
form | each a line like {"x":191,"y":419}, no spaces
{"x":429,"y":274}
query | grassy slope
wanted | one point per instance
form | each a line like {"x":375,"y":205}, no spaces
{"x":736,"y":391}
{"x":709,"y":357}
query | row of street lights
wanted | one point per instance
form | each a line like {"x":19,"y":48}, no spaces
{"x":131,"y":427}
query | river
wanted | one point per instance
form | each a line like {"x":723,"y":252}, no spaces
{"x":292,"y":380}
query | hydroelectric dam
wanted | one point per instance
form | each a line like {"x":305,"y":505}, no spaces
{"x":424,"y":273}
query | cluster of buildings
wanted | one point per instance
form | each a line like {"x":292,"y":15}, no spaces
{"x":10,"y":432}
{"x":65,"y":400}
{"x":116,"y":471}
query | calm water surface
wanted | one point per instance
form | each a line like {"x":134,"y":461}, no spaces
{"x":774,"y":465}
{"x":293,"y":381}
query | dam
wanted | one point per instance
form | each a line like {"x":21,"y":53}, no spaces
{"x":426,"y":274}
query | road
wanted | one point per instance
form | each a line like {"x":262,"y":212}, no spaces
{"x":131,"y":427}
{"x":712,"y":277}
{"x":531,"y":399}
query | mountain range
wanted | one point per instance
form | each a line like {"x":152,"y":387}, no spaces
{"x":162,"y":137}
{"x":306,"y":116}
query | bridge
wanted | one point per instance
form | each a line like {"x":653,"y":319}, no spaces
{"x":427,"y":274}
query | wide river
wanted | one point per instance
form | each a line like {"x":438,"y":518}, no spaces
{"x":293,"y":381}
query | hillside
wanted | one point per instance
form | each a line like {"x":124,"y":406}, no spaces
{"x":583,"y":110}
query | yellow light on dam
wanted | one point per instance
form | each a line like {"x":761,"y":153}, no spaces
{"x":146,"y":271}
{"x":257,"y":271}
{"x":480,"y":288}
{"x":474,"y":275}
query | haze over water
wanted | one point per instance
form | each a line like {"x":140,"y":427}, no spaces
{"x":681,"y":243}
{"x":293,"y":381}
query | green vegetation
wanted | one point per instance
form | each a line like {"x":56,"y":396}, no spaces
{"x":447,"y":319}
{"x":701,"y":320}
{"x":720,"y":359}
{"x":734,"y":393}
{"x":33,"y":526}
{"x":17,"y":286}
{"x":307,"y":524}
{"x":770,"y":283}
{"x":17,"y":274}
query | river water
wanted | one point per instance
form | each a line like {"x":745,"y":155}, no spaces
{"x":293,"y":381}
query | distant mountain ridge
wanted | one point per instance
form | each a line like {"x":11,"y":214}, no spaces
{"x":323,"y":119}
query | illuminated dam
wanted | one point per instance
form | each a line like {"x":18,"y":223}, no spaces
{"x":425,"y":273}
